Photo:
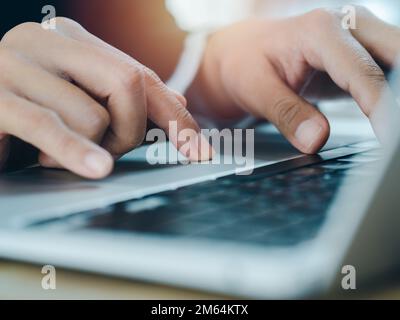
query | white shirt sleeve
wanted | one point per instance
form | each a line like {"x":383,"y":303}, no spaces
{"x":189,"y":62}
{"x":199,"y":18}
{"x":200,"y":15}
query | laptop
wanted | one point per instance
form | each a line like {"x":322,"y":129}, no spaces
{"x":291,"y":229}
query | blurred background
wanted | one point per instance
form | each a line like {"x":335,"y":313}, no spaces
{"x":199,"y":14}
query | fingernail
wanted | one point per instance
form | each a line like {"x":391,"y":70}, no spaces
{"x":308,"y":133}
{"x":98,"y":163}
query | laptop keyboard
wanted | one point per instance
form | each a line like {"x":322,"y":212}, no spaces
{"x":281,"y":210}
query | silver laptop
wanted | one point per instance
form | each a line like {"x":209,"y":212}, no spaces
{"x":289,"y":230}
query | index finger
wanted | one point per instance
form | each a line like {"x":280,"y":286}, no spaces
{"x":377,"y":36}
{"x":164,"y":108}
{"x":351,"y":67}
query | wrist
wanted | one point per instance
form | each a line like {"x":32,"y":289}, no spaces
{"x":208,"y":94}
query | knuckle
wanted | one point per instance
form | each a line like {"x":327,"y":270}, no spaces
{"x":324,"y":20}
{"x":41,"y":120}
{"x":155,"y":82}
{"x":152,"y":75}
{"x":286,"y":111}
{"x":20,"y":30}
{"x":131,"y":77}
{"x":183,"y":100}
{"x":324,"y":15}
{"x":99,"y":121}
{"x":63,"y":21}
{"x":66,"y":25}
{"x":371,"y":70}
{"x":321,"y":22}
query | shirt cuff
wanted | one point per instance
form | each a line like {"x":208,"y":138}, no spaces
{"x":189,"y":62}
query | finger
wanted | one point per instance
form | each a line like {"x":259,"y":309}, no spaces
{"x":165,"y":108}
{"x":381,"y":39}
{"x":180,"y":97}
{"x":46,"y":131}
{"x":124,"y":91}
{"x":350,"y":66}
{"x":103,"y":74}
{"x":78,"y":110}
{"x":74,"y":31}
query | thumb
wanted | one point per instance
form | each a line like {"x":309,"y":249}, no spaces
{"x":300,"y":122}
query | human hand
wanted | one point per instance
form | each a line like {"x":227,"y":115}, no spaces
{"x":81,"y":102}
{"x":262,"y":66}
